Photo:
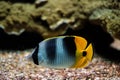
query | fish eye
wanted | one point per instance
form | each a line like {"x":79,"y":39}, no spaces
{"x":84,"y":53}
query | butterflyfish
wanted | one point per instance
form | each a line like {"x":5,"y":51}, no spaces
{"x":63,"y":52}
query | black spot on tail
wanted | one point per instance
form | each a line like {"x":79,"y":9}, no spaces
{"x":84,"y":53}
{"x":35,"y":56}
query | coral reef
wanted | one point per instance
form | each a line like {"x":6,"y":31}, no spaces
{"x":15,"y":18}
{"x":53,"y":17}
{"x":109,"y":19}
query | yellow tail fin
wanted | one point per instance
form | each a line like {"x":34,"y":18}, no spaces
{"x":83,"y":61}
{"x":89,"y":51}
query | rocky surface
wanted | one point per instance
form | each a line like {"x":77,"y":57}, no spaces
{"x":53,"y":17}
{"x":109,"y":19}
{"x":14,"y":66}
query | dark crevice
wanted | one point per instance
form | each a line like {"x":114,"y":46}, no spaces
{"x":24,"y":41}
{"x":38,"y":20}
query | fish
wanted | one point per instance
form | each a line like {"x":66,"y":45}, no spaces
{"x":62,"y":52}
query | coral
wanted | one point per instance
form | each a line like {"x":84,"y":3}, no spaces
{"x":54,"y":17}
{"x":109,"y":19}
{"x":17,"y":19}
{"x":48,"y":19}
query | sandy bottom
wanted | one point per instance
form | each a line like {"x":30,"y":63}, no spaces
{"x":13,"y":66}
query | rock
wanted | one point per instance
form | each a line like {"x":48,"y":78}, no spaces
{"x":54,"y":12}
{"x":54,"y":17}
{"x":40,"y":2}
{"x":109,"y":19}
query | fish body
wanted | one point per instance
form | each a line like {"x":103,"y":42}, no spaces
{"x":63,"y":52}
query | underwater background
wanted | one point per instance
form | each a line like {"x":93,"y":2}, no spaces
{"x":25,"y":23}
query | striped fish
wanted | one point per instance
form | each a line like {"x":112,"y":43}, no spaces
{"x":63,"y":52}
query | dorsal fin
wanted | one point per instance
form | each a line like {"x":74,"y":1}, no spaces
{"x":81,"y":44}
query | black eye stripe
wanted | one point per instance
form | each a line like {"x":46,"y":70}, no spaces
{"x":35,"y":55}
